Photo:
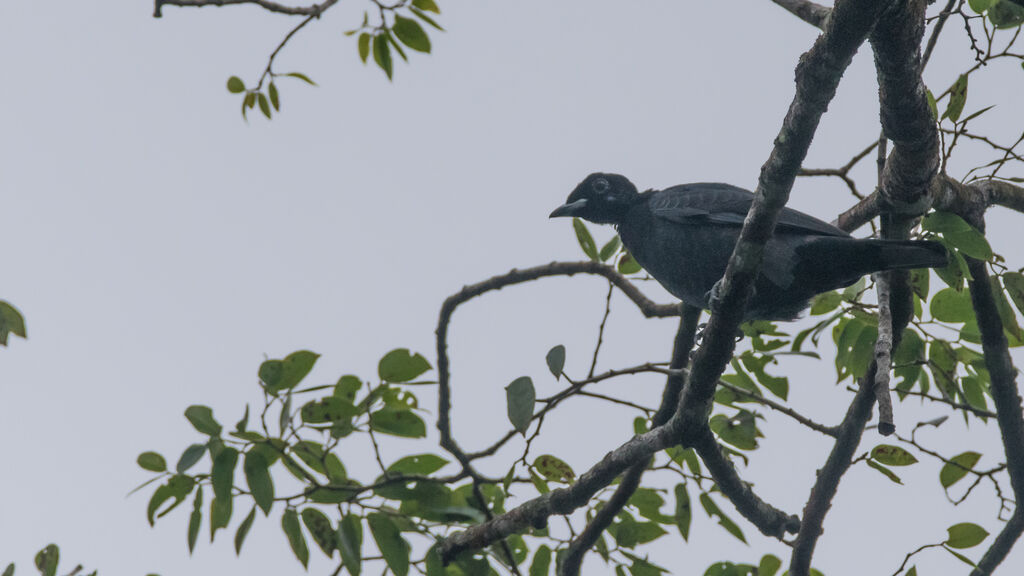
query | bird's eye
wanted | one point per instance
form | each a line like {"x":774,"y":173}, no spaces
{"x":601,"y":185}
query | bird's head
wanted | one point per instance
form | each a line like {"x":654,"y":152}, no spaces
{"x":600,"y":198}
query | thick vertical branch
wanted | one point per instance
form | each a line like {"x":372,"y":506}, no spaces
{"x":1006,"y":397}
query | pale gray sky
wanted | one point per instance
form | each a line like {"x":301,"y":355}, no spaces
{"x":159,"y":247}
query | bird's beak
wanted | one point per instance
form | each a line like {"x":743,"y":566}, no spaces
{"x":569,"y":209}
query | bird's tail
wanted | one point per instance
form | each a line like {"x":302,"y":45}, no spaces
{"x":835,"y":262}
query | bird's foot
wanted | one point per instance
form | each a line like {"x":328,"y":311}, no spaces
{"x":713,"y":297}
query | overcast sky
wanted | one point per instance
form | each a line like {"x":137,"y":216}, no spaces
{"x":159,"y":247}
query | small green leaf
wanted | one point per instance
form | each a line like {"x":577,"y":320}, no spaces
{"x":189,"y":457}
{"x":584,"y":238}
{"x":202,"y":420}
{"x":1006,"y":14}
{"x":261,"y":98}
{"x":965,"y":535}
{"x":11,"y":322}
{"x":328,"y":409}
{"x":257,"y":476}
{"x":541,"y":564}
{"x":1014,"y":283}
{"x":980,"y":6}
{"x":243,"y":530}
{"x":235,"y":85}
{"x":364,"y":46}
{"x":292,"y":529}
{"x":554,"y":469}
{"x":957,"y":98}
{"x":195,"y":520}
{"x":769,"y":565}
{"x":610,"y":248}
{"x":398,"y":423}
{"x":892,"y":455}
{"x":826,"y":302}
{"x":319,"y":526}
{"x":520,"y":396}
{"x":47,"y":559}
{"x":957,"y":467}
{"x":684,"y":511}
{"x":418,"y":464}
{"x":350,"y":543}
{"x":724,"y":521}
{"x":302,"y":77}
{"x":628,"y":264}
{"x":152,"y":461}
{"x":411,"y":34}
{"x":949,"y":305}
{"x":959,"y":234}
{"x":400,"y":365}
{"x":428,"y":5}
{"x":347,"y":387}
{"x":885,"y":471}
{"x":556,"y":360}
{"x":933,"y":106}
{"x":278,"y":375}
{"x":223,"y":472}
{"x":275,"y":98}
{"x":390,"y":542}
{"x":382,"y":53}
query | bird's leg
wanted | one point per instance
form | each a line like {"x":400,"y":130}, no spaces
{"x":712,"y":298}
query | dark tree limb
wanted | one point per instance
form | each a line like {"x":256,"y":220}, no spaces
{"x":630,"y":481}
{"x":827,"y":484}
{"x":1007,"y":400}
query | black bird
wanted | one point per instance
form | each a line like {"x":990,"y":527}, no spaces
{"x":683,"y":236}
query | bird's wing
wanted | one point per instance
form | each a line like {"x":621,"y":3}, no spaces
{"x":718,"y":203}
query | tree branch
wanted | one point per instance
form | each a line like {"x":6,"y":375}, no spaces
{"x":311,"y":10}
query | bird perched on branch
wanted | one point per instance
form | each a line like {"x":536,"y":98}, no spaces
{"x":684,"y":235}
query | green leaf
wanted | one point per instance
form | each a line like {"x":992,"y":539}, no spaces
{"x":347,"y":387}
{"x":610,"y":248}
{"x":684,"y":511}
{"x":275,"y":98}
{"x":739,"y":431}
{"x":826,"y":302}
{"x":398,"y":423}
{"x":892,"y":455}
{"x":584,"y":238}
{"x":261,"y":98}
{"x":885,"y":471}
{"x":957,"y":99}
{"x":177,"y":487}
{"x":278,"y":375}
{"x":541,"y":564}
{"x":220,"y":514}
{"x":401,"y":366}
{"x":769,"y":565}
{"x":202,"y":420}
{"x":949,"y":305}
{"x":350,"y":542}
{"x":418,"y":464}
{"x":390,"y":542}
{"x":235,"y":85}
{"x":428,"y":5}
{"x":243,"y":530}
{"x":1006,"y":14}
{"x":554,"y":469}
{"x":195,"y":520}
{"x":47,"y":559}
{"x":959,"y":234}
{"x":411,"y":34}
{"x":1006,"y":314}
{"x":319,"y":526}
{"x":189,"y":457}
{"x":520,"y":396}
{"x":980,"y":6}
{"x":242,"y":424}
{"x":382,"y":53}
{"x":223,"y":472}
{"x":9,"y":571}
{"x":328,"y":409}
{"x":364,"y":46}
{"x":965,"y":535}
{"x":11,"y":322}
{"x":628,"y":264}
{"x":724,"y":521}
{"x":302,"y":77}
{"x":933,"y":106}
{"x":152,"y":461}
{"x":556,"y":360}
{"x":257,"y":476}
{"x":292,"y":529}
{"x":957,"y":467}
